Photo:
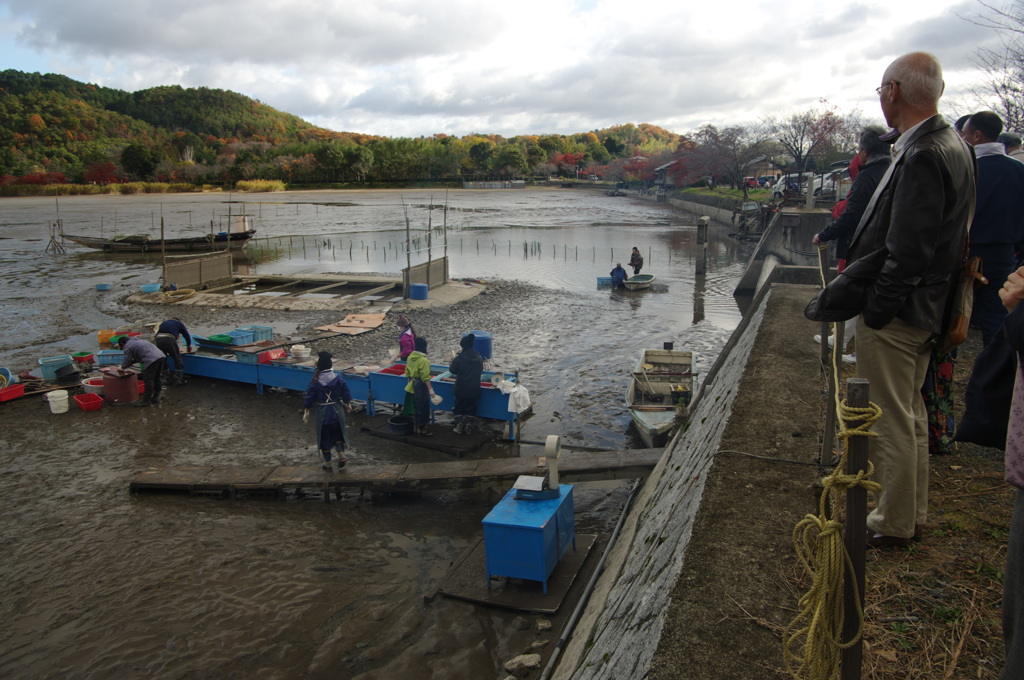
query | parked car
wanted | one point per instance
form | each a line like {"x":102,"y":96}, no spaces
{"x":789,"y":182}
{"x":750,"y":182}
{"x":765,"y":181}
{"x":783,"y":183}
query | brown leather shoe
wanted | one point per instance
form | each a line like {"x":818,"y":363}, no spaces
{"x":886,"y":541}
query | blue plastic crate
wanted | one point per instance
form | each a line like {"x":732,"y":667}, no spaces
{"x":241,"y":337}
{"x":110,"y":357}
{"x":244,"y":357}
{"x":260,"y":332}
{"x":51,"y":364}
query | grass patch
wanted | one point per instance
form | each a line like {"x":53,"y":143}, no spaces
{"x":763,"y":195}
{"x":258,"y":185}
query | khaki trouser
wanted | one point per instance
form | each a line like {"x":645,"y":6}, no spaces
{"x":894,"y":360}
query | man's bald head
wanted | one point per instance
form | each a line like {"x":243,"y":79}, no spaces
{"x":919,"y":76}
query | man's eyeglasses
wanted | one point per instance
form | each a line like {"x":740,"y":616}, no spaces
{"x":878,"y":90}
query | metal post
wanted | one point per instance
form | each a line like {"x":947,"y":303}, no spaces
{"x":702,"y":243}
{"x":856,"y":535}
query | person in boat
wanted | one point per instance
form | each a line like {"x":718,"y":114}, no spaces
{"x":329,"y":393}
{"x":618,"y":276}
{"x":406,"y":337}
{"x":636,"y":261}
{"x":167,"y":335}
{"x":468,"y":369}
{"x":152,"y":358}
{"x":418,"y":390}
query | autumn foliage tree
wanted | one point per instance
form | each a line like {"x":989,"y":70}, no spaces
{"x":803,"y":134}
{"x":568,"y":163}
{"x":100,"y":173}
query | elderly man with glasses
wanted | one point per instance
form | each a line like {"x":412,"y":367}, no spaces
{"x":914,"y":230}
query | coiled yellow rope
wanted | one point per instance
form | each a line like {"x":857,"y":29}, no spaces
{"x":812,"y":643}
{"x":179,"y":295}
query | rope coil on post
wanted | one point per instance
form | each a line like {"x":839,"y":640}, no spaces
{"x":818,"y":542}
{"x":812,"y":642}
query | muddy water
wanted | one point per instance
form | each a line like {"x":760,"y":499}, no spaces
{"x":95,"y":582}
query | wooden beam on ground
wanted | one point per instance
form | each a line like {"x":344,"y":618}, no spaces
{"x":317,"y":290}
{"x":461,"y":474}
{"x":378,"y":289}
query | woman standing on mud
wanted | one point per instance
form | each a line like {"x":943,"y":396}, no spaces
{"x":406,"y":338}
{"x":418,"y":390}
{"x":330,"y":393}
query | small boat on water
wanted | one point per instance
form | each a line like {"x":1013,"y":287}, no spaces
{"x":659,"y":393}
{"x":639,"y":282}
{"x":141,"y":243}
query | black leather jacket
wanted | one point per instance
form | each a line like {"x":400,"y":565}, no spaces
{"x":918,"y":226}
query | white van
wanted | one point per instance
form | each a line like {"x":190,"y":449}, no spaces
{"x":820,"y":182}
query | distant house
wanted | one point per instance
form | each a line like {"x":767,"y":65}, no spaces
{"x":662,"y":179}
{"x":763,"y":167}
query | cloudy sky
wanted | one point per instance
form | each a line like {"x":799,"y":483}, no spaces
{"x":419,"y":67}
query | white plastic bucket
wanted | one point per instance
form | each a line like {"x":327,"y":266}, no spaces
{"x":93,"y":386}
{"x":58,"y":401}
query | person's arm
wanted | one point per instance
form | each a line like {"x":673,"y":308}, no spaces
{"x":129,"y":356}
{"x":1011,"y":294}
{"x":344,"y":392}
{"x":188,"y":337}
{"x":856,"y":204}
{"x":307,"y":399}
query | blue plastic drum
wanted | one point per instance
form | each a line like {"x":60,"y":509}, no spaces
{"x":482,"y":343}
{"x":418,"y":291}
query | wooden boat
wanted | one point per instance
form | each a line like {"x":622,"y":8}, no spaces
{"x":141,"y":243}
{"x":659,"y":393}
{"x":639,"y":282}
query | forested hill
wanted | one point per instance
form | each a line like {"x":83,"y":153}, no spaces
{"x":53,"y":128}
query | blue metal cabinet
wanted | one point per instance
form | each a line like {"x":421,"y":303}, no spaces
{"x":526,"y":538}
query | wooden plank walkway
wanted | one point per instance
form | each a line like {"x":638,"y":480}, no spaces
{"x":273,"y":481}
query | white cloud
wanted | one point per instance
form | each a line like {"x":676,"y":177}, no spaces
{"x":417,"y":67}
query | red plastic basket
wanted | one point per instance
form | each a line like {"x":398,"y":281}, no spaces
{"x":12,"y":392}
{"x":89,"y":402}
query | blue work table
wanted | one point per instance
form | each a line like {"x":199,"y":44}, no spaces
{"x":527,"y":538}
{"x":386,"y":385}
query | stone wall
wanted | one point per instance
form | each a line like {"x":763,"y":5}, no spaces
{"x":621,"y":628}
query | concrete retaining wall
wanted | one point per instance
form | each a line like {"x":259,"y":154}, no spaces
{"x":621,"y":628}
